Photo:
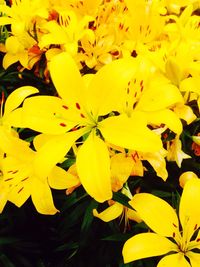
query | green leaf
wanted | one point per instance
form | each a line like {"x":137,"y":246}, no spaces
{"x":88,"y":217}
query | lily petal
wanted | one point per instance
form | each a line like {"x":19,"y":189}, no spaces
{"x":45,"y":114}
{"x":153,"y":211}
{"x":67,"y":78}
{"x":175,"y":260}
{"x":167,"y":117}
{"x":146,"y":245}
{"x":17,"y":97}
{"x":194,"y":258}
{"x":108,"y":85}
{"x":130,"y":133}
{"x":53,"y":152}
{"x":42,"y":197}
{"x":109,"y":214}
{"x":93,"y":167}
{"x":61,"y":179}
{"x":159,"y":97}
{"x":189,"y":212}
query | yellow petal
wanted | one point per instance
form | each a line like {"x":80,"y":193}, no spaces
{"x":5,"y":21}
{"x":61,"y":179}
{"x":189,"y":212}
{"x":185,"y":112}
{"x":66,"y":78}
{"x":53,"y":151}
{"x":159,"y":97}
{"x":133,"y":215}
{"x":194,"y":258}
{"x":146,"y":245}
{"x":4,"y":190}
{"x":175,"y":260}
{"x":110,"y":213}
{"x":93,"y":166}
{"x":14,"y":119}
{"x":108,"y":85}
{"x":19,"y":194}
{"x":14,"y":146}
{"x":154,"y":211}
{"x":42,"y":197}
{"x":191,"y":84}
{"x":45,"y":114}
{"x":130,"y":133}
{"x":17,"y":97}
{"x":9,"y":59}
{"x":121,"y":167}
{"x":166,"y":116}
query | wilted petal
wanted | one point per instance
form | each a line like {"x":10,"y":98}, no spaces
{"x":175,"y":260}
{"x":146,"y":245}
{"x":93,"y":166}
{"x":109,"y":214}
{"x":156,"y":213}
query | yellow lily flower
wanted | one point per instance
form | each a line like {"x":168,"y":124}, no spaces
{"x":19,"y":179}
{"x":175,"y":152}
{"x":162,"y":219}
{"x":185,"y":177}
{"x":116,"y":210}
{"x":67,"y":32}
{"x":82,"y":104}
{"x":10,"y":115}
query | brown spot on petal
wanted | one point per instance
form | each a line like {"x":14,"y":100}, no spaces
{"x":20,"y":190}
{"x":63,"y":124}
{"x":65,"y":107}
{"x":8,"y":179}
{"x":78,"y":106}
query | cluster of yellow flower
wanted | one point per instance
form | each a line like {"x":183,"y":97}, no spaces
{"x":146,"y":58}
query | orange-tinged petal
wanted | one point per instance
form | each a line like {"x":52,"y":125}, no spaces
{"x":93,"y":167}
{"x":17,"y":97}
{"x":53,"y":151}
{"x":146,"y":245}
{"x":109,"y":214}
{"x":175,"y":260}
{"x":61,"y":179}
{"x":130,"y":133}
{"x":42,"y":197}
{"x":133,"y":215}
{"x":67,"y":78}
{"x":153,"y":211}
